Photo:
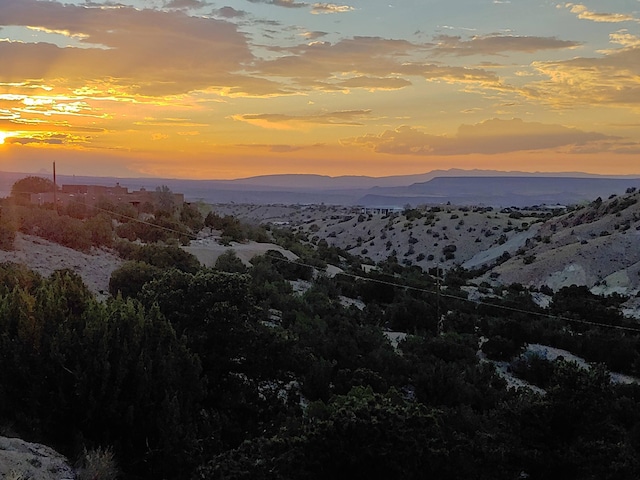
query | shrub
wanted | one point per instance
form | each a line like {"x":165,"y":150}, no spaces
{"x":229,"y":262}
{"x":101,"y":230}
{"x":97,"y":464}
{"x":191,"y":217}
{"x":500,"y":348}
{"x":130,"y":277}
{"x":7,"y":231}
{"x":449,"y":249}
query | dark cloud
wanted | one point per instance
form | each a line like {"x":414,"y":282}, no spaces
{"x":43,"y":139}
{"x":229,"y":12}
{"x":282,"y":3}
{"x":186,"y":4}
{"x":498,"y":44}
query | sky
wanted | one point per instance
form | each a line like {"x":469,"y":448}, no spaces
{"x":237,"y":88}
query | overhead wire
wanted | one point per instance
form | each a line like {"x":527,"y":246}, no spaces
{"x":476,"y":302}
{"x":399,"y":285}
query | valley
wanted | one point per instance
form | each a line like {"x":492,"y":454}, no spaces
{"x":241,"y":320}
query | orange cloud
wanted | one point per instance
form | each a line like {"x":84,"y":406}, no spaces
{"x":584,"y":13}
{"x":490,"y":137}
{"x":609,"y":80}
{"x":287,"y":122}
{"x":373,"y":83}
{"x":369,"y":63}
{"x":140,"y":50}
{"x":46,"y":139}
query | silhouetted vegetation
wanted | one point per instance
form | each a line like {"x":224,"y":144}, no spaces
{"x":233,"y":229}
{"x":279,"y":371}
{"x":81,"y":225}
{"x":193,"y":374}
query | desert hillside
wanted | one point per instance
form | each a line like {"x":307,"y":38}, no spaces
{"x":45,"y":257}
{"x":95,"y":267}
{"x":443,"y":235}
{"x":595,"y":244}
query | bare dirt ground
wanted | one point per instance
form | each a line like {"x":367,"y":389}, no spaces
{"x":96,"y":266}
{"x":207,"y":250}
{"x":45,"y":257}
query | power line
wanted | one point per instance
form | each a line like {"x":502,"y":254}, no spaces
{"x":134,"y":219}
{"x":438,"y":292}
{"x":476,"y":302}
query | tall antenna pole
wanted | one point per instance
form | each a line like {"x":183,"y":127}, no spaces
{"x":55,"y":188}
{"x":439,"y":319}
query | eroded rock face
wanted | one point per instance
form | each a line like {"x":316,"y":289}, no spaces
{"x":20,"y":460}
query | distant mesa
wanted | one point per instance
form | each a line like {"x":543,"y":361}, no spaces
{"x":473,"y":187}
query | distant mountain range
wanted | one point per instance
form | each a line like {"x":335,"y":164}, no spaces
{"x":468,"y":187}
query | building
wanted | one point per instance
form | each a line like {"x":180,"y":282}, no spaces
{"x":92,"y":194}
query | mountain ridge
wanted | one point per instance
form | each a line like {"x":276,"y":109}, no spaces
{"x":488,"y":187}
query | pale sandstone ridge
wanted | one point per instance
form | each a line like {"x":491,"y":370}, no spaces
{"x":20,"y":460}
{"x":597,"y":246}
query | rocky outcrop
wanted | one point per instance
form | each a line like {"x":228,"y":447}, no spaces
{"x":20,"y":460}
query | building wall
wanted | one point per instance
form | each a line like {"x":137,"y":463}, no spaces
{"x":91,"y":194}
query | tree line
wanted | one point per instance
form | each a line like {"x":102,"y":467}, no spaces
{"x":188,"y":372}
{"x":206,"y":373}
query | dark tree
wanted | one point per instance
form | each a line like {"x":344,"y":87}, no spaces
{"x":32,"y":184}
{"x":229,"y":262}
{"x":129,"y":278}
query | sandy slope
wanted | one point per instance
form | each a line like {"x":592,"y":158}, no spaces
{"x":207,"y":250}
{"x":45,"y":257}
{"x":96,"y":267}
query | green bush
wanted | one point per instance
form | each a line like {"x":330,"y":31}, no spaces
{"x":129,"y":278}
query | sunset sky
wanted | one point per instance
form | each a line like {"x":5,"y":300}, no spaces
{"x":235,"y":88}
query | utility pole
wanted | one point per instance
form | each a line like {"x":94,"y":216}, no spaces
{"x":439,"y":317}
{"x":55,"y":188}
{"x":438,"y":292}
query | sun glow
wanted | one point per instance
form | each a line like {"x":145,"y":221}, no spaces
{"x":4,"y":135}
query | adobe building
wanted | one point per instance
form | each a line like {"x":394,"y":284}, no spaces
{"x":91,"y":194}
